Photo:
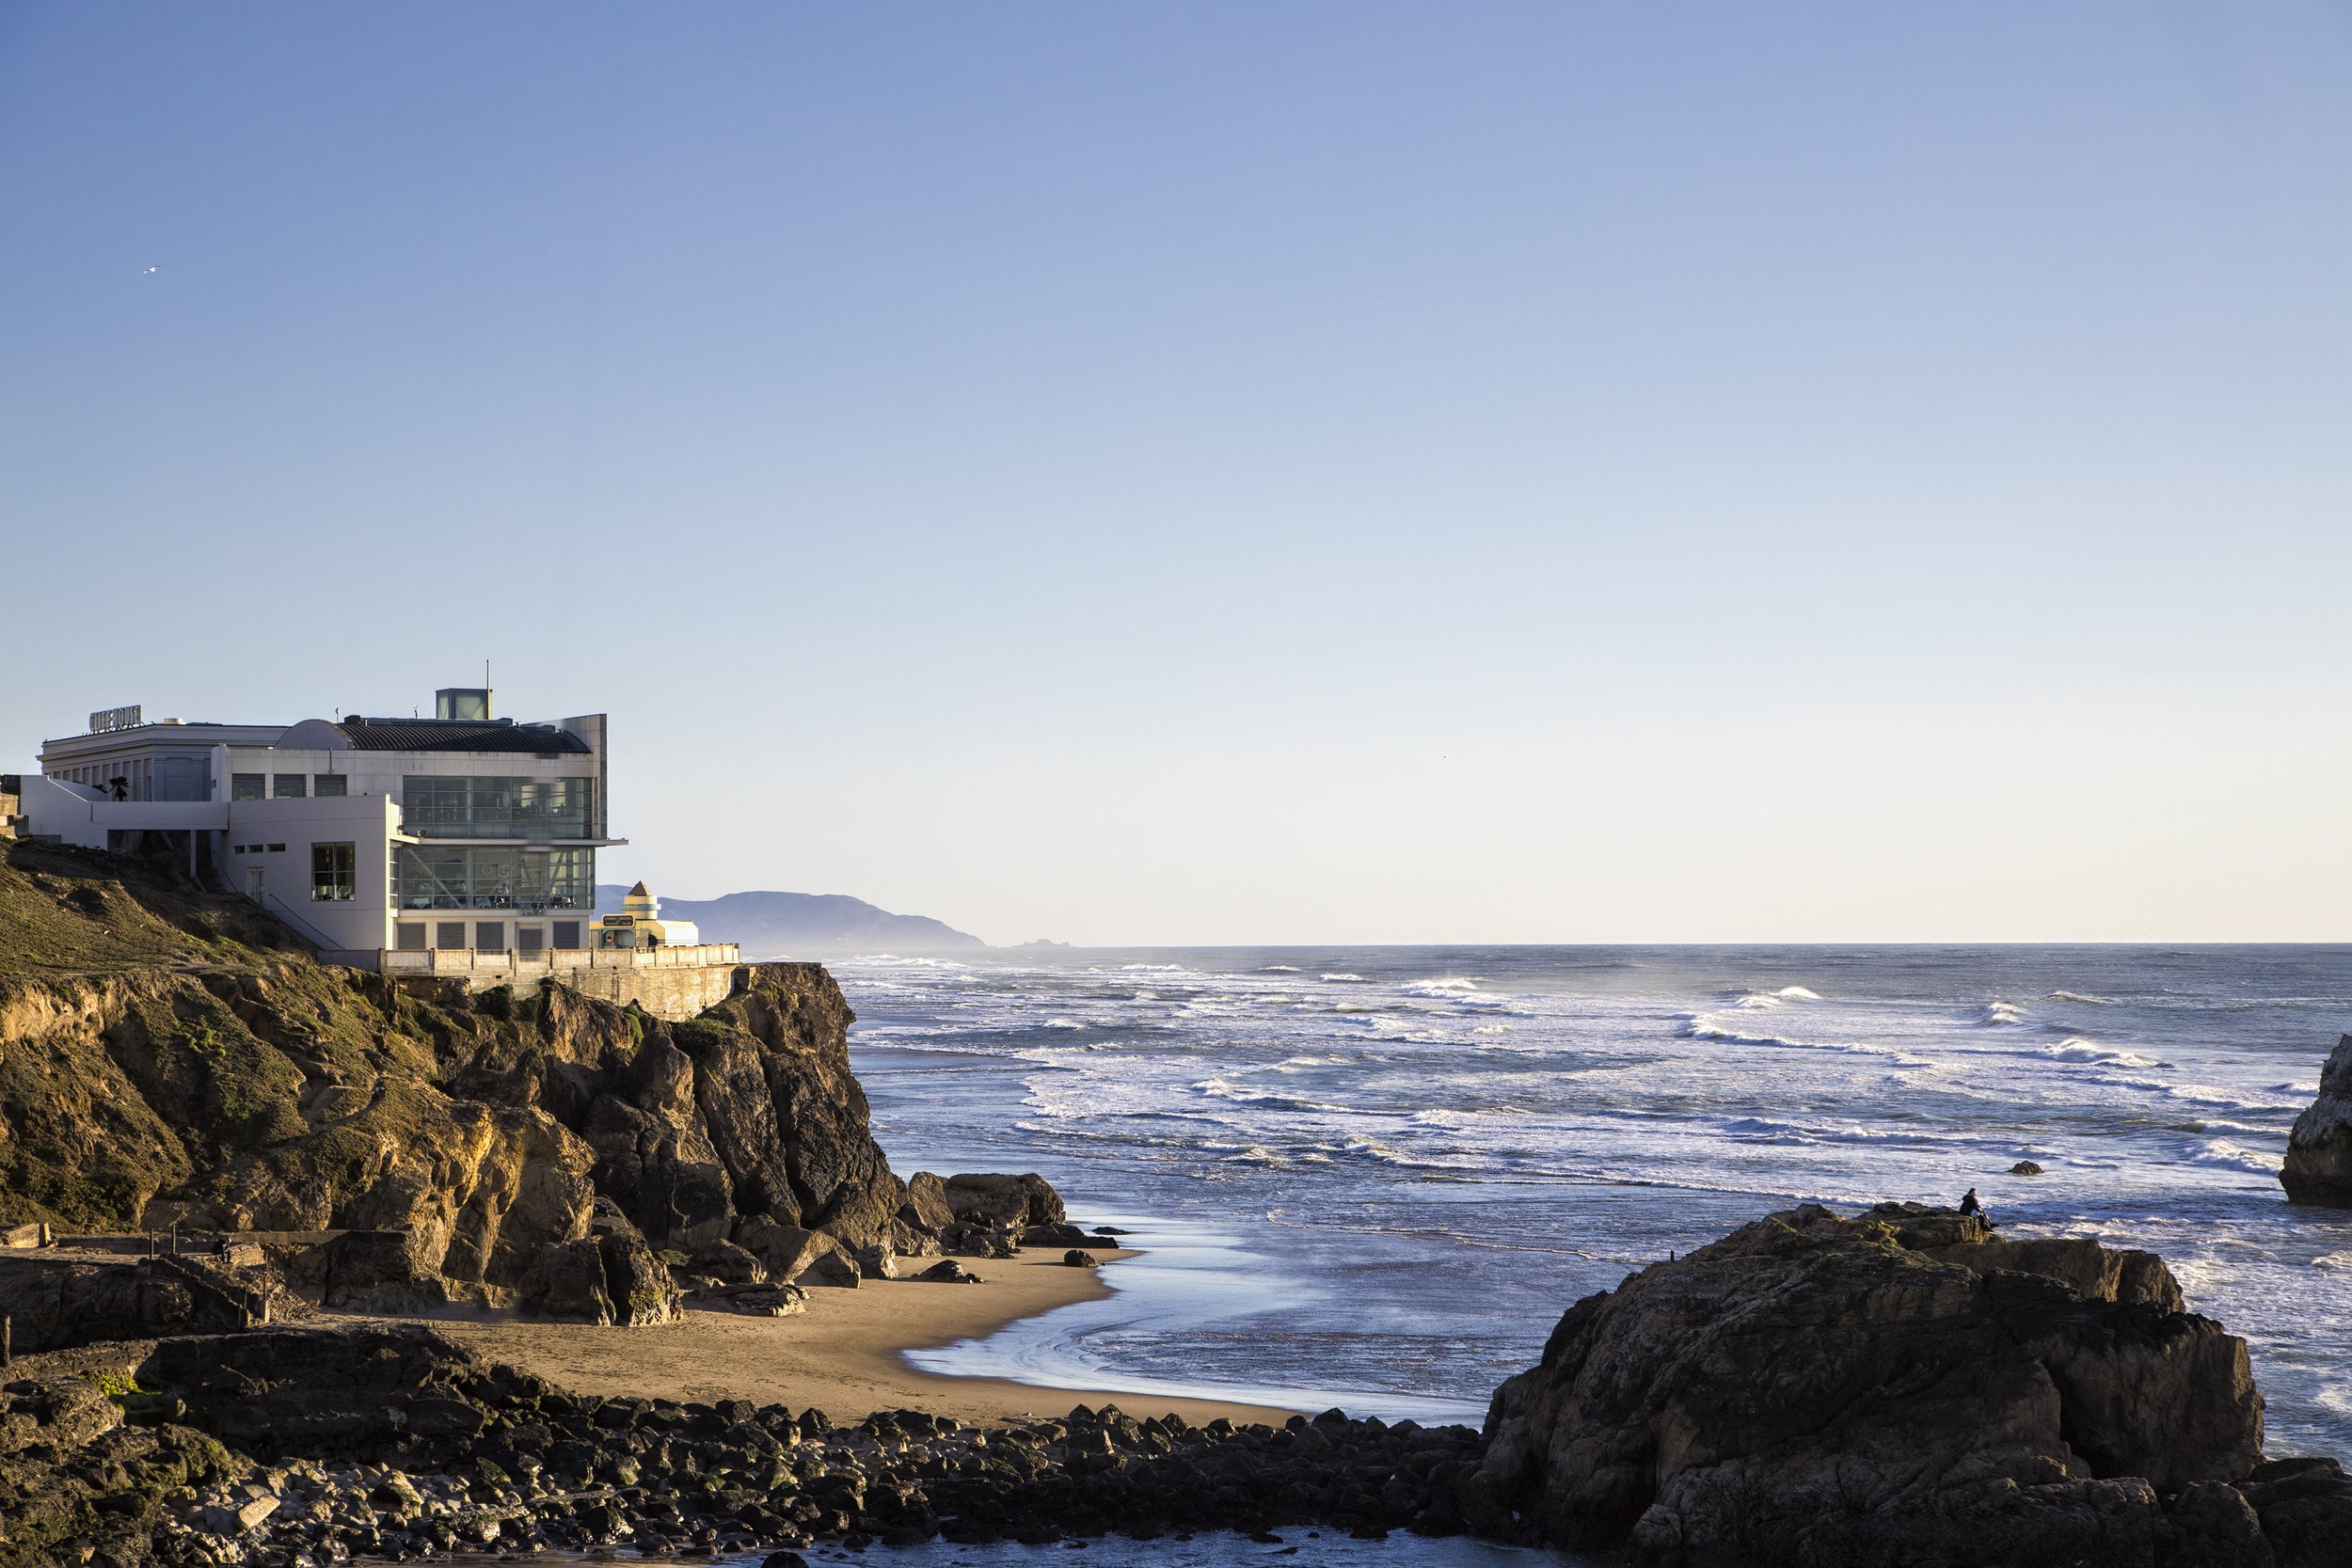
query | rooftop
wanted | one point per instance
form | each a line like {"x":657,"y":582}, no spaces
{"x":458,"y":734}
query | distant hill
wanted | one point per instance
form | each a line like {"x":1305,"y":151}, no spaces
{"x":767,"y":925}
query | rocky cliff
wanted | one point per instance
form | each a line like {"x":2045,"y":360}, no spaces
{"x":2318,"y":1167}
{"x":163,"y":1059}
{"x":1902,"y":1388}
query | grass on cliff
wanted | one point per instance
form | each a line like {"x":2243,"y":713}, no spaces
{"x":75,"y":911}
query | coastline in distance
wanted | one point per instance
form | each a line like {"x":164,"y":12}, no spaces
{"x":768,"y":925}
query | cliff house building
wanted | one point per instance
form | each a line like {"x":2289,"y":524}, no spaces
{"x":462,"y":846}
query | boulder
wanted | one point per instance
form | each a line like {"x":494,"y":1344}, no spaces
{"x":1077,"y":1260}
{"x":834,"y":1268}
{"x":763,"y":1301}
{"x":2025,"y":1167}
{"x":877,"y":1262}
{"x":613,"y":1278}
{"x":1893,"y":1389}
{"x":729,"y":1265}
{"x":1018,"y":1201}
{"x":789,"y":1253}
{"x":925,"y":1206}
{"x":949,"y":1271}
{"x":2318,"y":1167}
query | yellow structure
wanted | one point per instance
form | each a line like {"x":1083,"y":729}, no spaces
{"x":639,"y":924}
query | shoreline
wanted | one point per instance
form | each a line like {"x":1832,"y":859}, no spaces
{"x":846,"y":1353}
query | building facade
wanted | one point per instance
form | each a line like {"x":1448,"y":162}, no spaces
{"x":460,"y":844}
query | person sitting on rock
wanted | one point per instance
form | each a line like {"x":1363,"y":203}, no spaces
{"x":1968,"y":1204}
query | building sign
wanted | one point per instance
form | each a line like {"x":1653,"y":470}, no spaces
{"x":115,"y":719}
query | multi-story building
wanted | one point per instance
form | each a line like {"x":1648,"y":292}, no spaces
{"x":462,"y":844}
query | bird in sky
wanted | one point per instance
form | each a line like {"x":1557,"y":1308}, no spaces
{"x":152,"y":269}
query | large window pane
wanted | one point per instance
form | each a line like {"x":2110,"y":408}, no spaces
{"x":331,"y":783}
{"x":428,"y":877}
{"x":291,"y":786}
{"x":498,"y":807}
{"x":247,"y":786}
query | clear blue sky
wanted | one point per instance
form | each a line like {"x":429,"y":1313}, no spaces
{"x":1316,"y":472}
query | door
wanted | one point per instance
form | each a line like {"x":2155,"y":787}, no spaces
{"x":253,"y":883}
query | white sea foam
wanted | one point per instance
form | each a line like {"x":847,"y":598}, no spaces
{"x":1345,"y":979}
{"x":2078,"y":996}
{"x":1279,"y":968}
{"x":2002,"y":1012}
{"x":1446,"y":990}
{"x":2079,"y":1050}
{"x":2229,"y":1156}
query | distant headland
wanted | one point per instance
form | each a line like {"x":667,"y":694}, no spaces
{"x":768,"y":925}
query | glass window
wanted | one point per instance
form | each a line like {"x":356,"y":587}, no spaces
{"x":534,"y":809}
{"x":450,"y":934}
{"x":529,"y":941}
{"x":334,"y":872}
{"x":428,"y":876}
{"x":247,"y":786}
{"x":489,"y":935}
{"x":412,"y":935}
{"x":567,"y":935}
{"x":331,"y":783}
{"x":290,"y":786}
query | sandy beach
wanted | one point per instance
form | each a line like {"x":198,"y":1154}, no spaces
{"x":842,"y":1355}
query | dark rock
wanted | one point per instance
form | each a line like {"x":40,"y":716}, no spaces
{"x":609,"y":1278}
{"x":1018,"y":1201}
{"x":1882,"y":1389}
{"x":925,"y":1206}
{"x":877,"y":1262}
{"x":949,"y":1271}
{"x":2318,"y":1167}
{"x":1077,"y":1260}
{"x":729,"y":1265}
{"x":2025,"y":1167}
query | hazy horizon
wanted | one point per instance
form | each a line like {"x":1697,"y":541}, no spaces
{"x":1218,"y":475}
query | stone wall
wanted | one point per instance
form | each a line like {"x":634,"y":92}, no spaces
{"x":674,"y":992}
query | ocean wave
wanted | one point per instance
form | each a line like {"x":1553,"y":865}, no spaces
{"x":2081,"y":1049}
{"x":1447,"y":989}
{"x":1279,"y":968}
{"x":2081,"y":997}
{"x":1218,"y":1088}
{"x":2001,"y":1012}
{"x":1344,"y":979}
{"x":1695,"y":1027}
{"x":1777,"y":998}
{"x":2229,"y":1156}
{"x":2333,"y":1260}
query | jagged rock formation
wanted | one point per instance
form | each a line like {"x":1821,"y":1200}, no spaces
{"x":1902,"y":1388}
{"x":2318,"y":1167}
{"x":474,"y":1140}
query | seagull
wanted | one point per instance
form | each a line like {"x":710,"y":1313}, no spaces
{"x":151,"y":270}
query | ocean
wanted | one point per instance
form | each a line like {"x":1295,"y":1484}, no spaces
{"x":1373,"y":1178}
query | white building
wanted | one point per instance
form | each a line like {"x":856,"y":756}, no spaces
{"x":461,"y":843}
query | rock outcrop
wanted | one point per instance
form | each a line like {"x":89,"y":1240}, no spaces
{"x":471,"y":1141}
{"x":2318,"y":1167}
{"x":1899,"y":1389}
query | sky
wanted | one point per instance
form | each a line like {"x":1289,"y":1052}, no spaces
{"x":1230,"y":472}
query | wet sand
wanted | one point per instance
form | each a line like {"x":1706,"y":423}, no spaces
{"x":842,"y":1355}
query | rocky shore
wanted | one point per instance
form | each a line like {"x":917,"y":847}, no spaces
{"x":312,"y":1446}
